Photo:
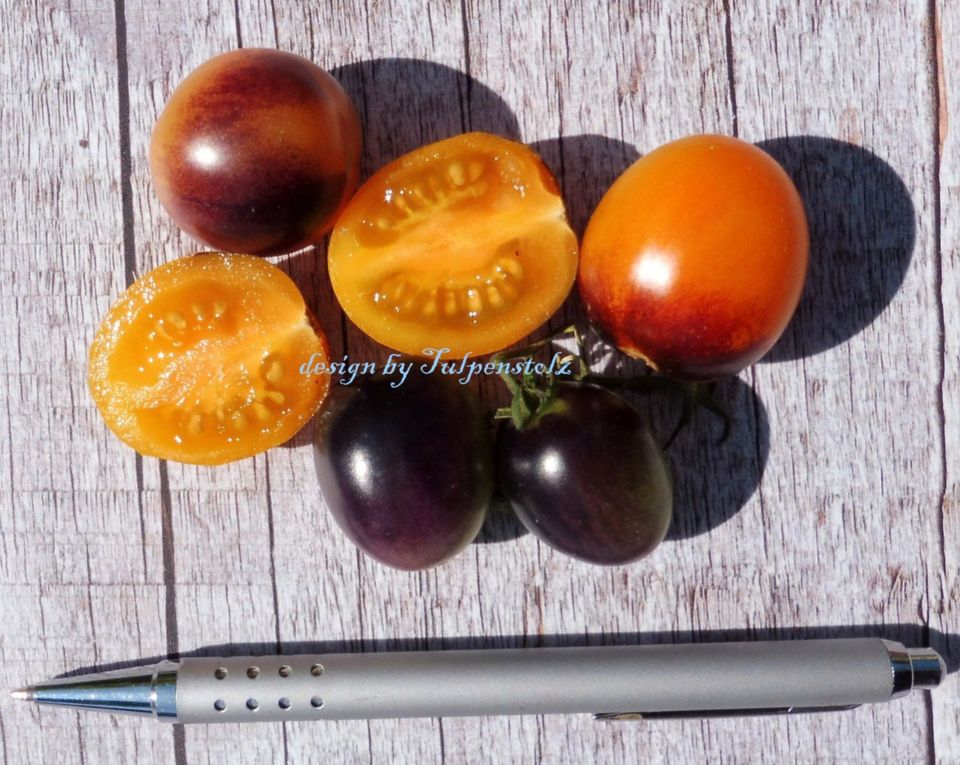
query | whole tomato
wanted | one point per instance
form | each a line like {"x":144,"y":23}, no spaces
{"x":257,"y":152}
{"x":695,"y":258}
{"x":406,"y":471}
{"x":586,"y":476}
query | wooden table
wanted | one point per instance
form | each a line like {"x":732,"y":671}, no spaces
{"x":832,"y":510}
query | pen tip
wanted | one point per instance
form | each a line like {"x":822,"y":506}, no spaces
{"x":22,"y":694}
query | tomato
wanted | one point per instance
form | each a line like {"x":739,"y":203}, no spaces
{"x":586,"y":476}
{"x":463,"y":244}
{"x":406,"y":471}
{"x":257,"y":151}
{"x":695,"y":258}
{"x":200,"y":360}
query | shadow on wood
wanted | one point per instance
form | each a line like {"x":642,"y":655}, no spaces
{"x":405,"y":103}
{"x":713,"y":481}
{"x":911,"y":635}
{"x":501,"y":524}
{"x":862,"y":231}
{"x":586,"y":166}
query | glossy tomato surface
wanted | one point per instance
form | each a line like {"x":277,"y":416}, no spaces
{"x":407,"y":472}
{"x":256,"y":152}
{"x":695,"y":258}
{"x":199,"y":360}
{"x":586,"y":477}
{"x":462,"y":244}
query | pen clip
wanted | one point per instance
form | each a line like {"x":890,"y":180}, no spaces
{"x":707,"y":713}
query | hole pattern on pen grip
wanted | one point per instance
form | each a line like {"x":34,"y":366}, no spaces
{"x":288,"y":690}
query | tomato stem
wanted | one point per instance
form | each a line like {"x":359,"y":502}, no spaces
{"x":531,"y":395}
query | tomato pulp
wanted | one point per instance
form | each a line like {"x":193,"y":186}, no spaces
{"x":462,"y":244}
{"x":199,"y":361}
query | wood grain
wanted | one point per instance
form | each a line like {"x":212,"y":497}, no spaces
{"x":834,"y":503}
{"x":852,"y":407}
{"x":81,"y":570}
{"x":944,"y":60}
{"x":220,"y":578}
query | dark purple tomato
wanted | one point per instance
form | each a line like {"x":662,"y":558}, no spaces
{"x":257,"y":151}
{"x":408,"y":471}
{"x":587,"y":477}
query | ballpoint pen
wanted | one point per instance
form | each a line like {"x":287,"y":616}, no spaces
{"x":613,"y":682}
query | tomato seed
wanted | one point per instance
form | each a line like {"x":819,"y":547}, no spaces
{"x":458,"y":175}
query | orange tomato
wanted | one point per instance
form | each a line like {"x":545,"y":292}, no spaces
{"x":695,"y":258}
{"x":462,"y":244}
{"x":199,"y":361}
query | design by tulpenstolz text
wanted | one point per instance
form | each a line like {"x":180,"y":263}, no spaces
{"x":464,"y":369}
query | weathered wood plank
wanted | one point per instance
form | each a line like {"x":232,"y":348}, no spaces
{"x":851,"y":393}
{"x":854,"y":428}
{"x":589,"y":86}
{"x":945,"y":585}
{"x":80,"y":567}
{"x":220,"y":583}
{"x":354,"y":598}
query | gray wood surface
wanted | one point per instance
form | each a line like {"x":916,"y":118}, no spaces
{"x":833,"y":509}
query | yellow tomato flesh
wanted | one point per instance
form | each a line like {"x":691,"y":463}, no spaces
{"x":199,"y":361}
{"x":462,"y":244}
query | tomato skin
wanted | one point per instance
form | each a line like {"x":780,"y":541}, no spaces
{"x":695,"y":258}
{"x":461,"y":244}
{"x":198,"y":360}
{"x":407,"y":472}
{"x":587,"y":477}
{"x":257,"y":151}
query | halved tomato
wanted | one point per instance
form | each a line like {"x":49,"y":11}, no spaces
{"x":462,"y":244}
{"x":200,"y":360}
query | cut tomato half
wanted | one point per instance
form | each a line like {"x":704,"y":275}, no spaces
{"x":200,"y":360}
{"x":462,"y":244}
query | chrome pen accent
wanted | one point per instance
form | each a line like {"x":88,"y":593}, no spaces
{"x":149,"y":691}
{"x":920,"y":668}
{"x":708,"y":713}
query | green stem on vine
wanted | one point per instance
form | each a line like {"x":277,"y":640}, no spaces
{"x":530,"y":395}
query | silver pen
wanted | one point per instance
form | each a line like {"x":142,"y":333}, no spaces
{"x":613,"y":682}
